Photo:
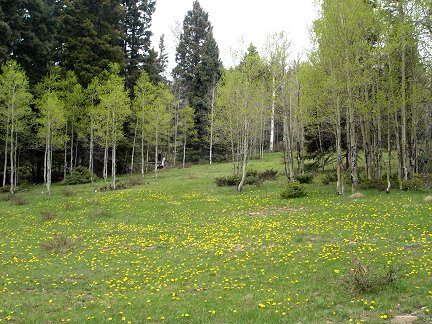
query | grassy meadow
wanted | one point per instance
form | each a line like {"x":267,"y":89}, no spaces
{"x":181,"y":249}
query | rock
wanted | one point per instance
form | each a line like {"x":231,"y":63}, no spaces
{"x":428,"y":199}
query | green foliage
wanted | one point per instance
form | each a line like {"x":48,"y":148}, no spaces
{"x":234,"y":180}
{"x":269,"y":174}
{"x":92,"y":37}
{"x":305,"y":178}
{"x":379,"y":184}
{"x":198,"y":63}
{"x":362,"y":279}
{"x":415,"y":184}
{"x":293,"y":190}
{"x":253,"y":177}
{"x":79,"y":175}
{"x":328,"y":177}
{"x":137,"y":42}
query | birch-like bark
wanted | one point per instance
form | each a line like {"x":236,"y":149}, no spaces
{"x":245,"y":155}
{"x":213,"y":96}
{"x":12,"y":146}
{"x":176,"y":121}
{"x":272,"y":117}
{"x":133,"y":148}
{"x":340,"y":185}
{"x":6,"y":152}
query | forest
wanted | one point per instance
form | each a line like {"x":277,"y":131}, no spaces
{"x":81,"y":85}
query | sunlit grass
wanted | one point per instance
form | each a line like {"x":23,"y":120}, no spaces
{"x":182,"y":249}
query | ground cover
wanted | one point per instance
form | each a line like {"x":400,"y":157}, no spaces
{"x":182,"y":249}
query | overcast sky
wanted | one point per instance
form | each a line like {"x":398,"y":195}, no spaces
{"x":234,"y":20}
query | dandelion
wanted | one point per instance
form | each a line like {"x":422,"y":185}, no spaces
{"x":384,"y":316}
{"x":261,"y":305}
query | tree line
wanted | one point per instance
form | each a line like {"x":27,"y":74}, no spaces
{"x":102,"y":97}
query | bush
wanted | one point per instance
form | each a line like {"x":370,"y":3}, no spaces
{"x":362,"y":279}
{"x":253,"y":177}
{"x":305,"y":178}
{"x":268,"y":175}
{"x":47,"y":215}
{"x":415,"y":184}
{"x":327,"y":178}
{"x":59,"y":243}
{"x":79,"y":175}
{"x":228,"y":181}
{"x":379,"y":184}
{"x":18,"y":200}
{"x":293,"y":190}
{"x":109,"y":187}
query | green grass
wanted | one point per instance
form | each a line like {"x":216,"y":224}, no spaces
{"x":184,"y":250}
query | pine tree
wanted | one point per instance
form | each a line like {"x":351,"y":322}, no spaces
{"x":137,"y":34}
{"x":28,"y":30}
{"x":198,"y":65}
{"x":92,"y":35}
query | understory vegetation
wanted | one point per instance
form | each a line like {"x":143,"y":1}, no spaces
{"x":181,"y":249}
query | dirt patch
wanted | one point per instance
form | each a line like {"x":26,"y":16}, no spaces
{"x":405,"y":319}
{"x":357,"y":195}
{"x":276,"y":211}
{"x":427,"y":199}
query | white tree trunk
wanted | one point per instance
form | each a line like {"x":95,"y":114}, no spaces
{"x":272,"y":118}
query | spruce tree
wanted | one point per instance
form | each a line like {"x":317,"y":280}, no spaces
{"x":92,"y":37}
{"x":198,"y":65}
{"x":28,"y":30}
{"x":137,"y":34}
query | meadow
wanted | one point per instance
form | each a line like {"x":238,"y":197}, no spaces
{"x":181,"y":249}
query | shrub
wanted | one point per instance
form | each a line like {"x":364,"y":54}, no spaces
{"x":293,"y":190}
{"x":328,"y":178}
{"x":135,"y":181}
{"x":253,"y":177}
{"x":47,"y":215}
{"x":268,"y":175}
{"x":79,"y":175}
{"x":68,"y":192}
{"x":415,"y":184}
{"x":59,"y":243}
{"x":362,"y":279}
{"x":379,"y":184}
{"x":108,"y":187}
{"x":305,"y":178}
{"x":18,"y":200}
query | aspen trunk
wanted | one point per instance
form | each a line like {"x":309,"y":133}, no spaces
{"x":245,"y":156}
{"x":340,"y":185}
{"x":184,"y":152}
{"x":91,"y":162}
{"x":403,"y":144}
{"x":212,"y":120}
{"x":389,"y":156}
{"x":6,"y":153}
{"x":133,"y":147}
{"x":272,"y":117}
{"x":176,"y":135}
{"x":71,"y":164}
{"x":12,"y":149}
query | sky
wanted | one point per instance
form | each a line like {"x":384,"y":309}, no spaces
{"x":237,"y":22}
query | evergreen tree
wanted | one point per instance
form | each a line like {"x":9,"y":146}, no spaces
{"x":92,"y":37}
{"x":28,"y":30}
{"x":198,"y":64}
{"x":162,"y":59}
{"x":137,"y":34}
